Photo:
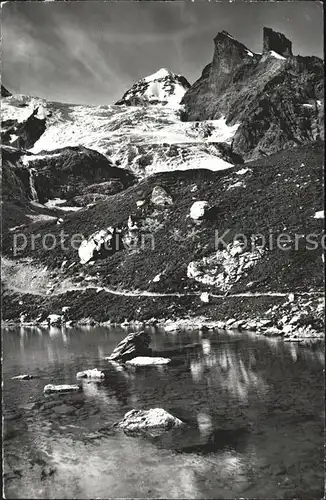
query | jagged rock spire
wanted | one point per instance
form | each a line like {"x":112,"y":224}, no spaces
{"x":273,"y":40}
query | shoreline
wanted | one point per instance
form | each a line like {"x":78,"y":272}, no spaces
{"x":263,"y":328}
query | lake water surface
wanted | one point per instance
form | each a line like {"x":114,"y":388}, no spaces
{"x":255,"y":409}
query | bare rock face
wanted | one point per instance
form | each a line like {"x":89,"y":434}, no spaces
{"x":273,"y":40}
{"x":134,"y":345}
{"x":229,"y":55}
{"x":225,"y":267}
{"x":275,"y":98}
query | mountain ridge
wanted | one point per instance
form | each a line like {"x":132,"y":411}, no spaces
{"x":267,"y":93}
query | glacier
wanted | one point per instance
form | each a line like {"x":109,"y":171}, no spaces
{"x":145,"y":139}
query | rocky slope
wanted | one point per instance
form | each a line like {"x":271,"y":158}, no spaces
{"x":163,"y":87}
{"x":166,"y":249}
{"x":275,"y":97}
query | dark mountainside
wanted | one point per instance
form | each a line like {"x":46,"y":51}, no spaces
{"x":77,"y":174}
{"x":274,"y":95}
{"x":150,"y":252}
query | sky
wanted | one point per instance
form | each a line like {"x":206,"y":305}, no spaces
{"x":92,"y":52}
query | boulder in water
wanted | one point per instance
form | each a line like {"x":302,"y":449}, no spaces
{"x":23,"y":377}
{"x":92,"y":374}
{"x":54,"y":319}
{"x":155,"y":418}
{"x":148,"y":361}
{"x":48,"y":389}
{"x":135,"y":344}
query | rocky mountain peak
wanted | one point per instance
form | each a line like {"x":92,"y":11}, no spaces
{"x":277,"y":104}
{"x":161,"y":73}
{"x":226,"y":45}
{"x":276,"y":42}
{"x":229,"y":55}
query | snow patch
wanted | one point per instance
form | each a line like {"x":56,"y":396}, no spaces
{"x":161,"y":73}
{"x":319,"y":215}
{"x":236,"y":185}
{"x":54,"y":202}
{"x":25,"y":159}
{"x":243,"y":171}
{"x":13,"y":137}
{"x":276,"y":55}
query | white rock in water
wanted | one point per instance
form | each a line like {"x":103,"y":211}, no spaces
{"x":198,"y":209}
{"x":92,"y":373}
{"x":155,"y":418}
{"x":204,"y":297}
{"x":148,"y":361}
{"x":54,"y":319}
{"x":60,"y":388}
{"x":23,"y":377}
{"x":173,"y":327}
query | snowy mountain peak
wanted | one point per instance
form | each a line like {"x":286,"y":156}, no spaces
{"x":161,"y":73}
{"x":162,"y":87}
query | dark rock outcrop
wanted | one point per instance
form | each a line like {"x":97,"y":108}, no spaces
{"x":68,"y":172}
{"x":27,"y":132}
{"x":275,"y":97}
{"x":273,"y":40}
{"x":5,"y":92}
{"x":135,"y":344}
